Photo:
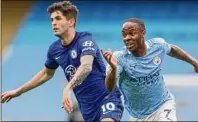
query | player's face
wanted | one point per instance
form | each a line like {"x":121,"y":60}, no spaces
{"x":60,"y":24}
{"x":132,"y":35}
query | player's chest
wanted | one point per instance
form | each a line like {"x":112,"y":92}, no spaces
{"x":67,"y":57}
{"x":142,"y":66}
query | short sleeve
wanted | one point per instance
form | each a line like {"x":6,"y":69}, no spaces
{"x":50,"y":62}
{"x":118,"y":56}
{"x":88,"y":46}
{"x":165,"y":46}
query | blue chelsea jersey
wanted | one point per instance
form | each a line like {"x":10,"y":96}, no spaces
{"x":92,"y":90}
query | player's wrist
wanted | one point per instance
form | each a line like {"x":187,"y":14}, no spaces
{"x":195,"y":63}
{"x":18,"y":91}
{"x":113,"y":69}
{"x":68,"y":87}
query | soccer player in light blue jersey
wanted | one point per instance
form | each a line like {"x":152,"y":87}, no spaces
{"x":78,"y":54}
{"x":137,"y":67}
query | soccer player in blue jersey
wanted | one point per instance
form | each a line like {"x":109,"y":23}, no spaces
{"x":137,"y":67}
{"x":81,"y":60}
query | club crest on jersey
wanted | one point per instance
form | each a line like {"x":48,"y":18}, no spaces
{"x":73,"y":54}
{"x":88,"y":44}
{"x":157,"y":60}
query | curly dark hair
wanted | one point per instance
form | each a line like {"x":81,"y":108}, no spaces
{"x":66,"y":7}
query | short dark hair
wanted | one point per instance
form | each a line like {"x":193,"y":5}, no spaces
{"x":66,"y":7}
{"x":138,"y":21}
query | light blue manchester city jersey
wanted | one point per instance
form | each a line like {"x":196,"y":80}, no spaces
{"x":140,"y":78}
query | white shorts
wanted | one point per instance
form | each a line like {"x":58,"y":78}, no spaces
{"x":167,"y":112}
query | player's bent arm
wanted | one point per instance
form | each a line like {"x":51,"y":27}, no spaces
{"x":178,"y":53}
{"x":44,"y":75}
{"x":83,"y":70}
{"x":111,"y":79}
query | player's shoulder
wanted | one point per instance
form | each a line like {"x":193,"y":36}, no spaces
{"x":157,"y":40}
{"x":120,"y":52}
{"x":85,"y":38}
{"x":54,"y":44}
{"x":83,"y":34}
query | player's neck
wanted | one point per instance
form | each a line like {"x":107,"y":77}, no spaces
{"x":141,"y":51}
{"x":68,"y":37}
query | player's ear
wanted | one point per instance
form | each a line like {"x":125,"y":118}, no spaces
{"x":143,"y":32}
{"x":72,"y":22}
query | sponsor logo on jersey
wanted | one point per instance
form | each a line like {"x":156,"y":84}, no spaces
{"x":70,"y":71}
{"x":88,"y":48}
{"x":88,"y":44}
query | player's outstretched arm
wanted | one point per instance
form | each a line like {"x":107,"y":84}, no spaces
{"x":82,"y":72}
{"x":178,"y":53}
{"x":44,"y":75}
{"x":110,"y":80}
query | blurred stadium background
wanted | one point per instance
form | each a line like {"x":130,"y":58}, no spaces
{"x":27,"y":34}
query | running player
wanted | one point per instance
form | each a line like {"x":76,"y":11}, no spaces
{"x":137,"y":67}
{"x":81,"y":60}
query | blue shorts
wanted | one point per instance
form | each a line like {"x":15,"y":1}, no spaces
{"x":110,"y":107}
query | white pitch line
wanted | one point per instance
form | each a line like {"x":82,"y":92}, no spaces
{"x":181,"y":80}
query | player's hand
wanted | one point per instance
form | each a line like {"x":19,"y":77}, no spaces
{"x":111,"y":60}
{"x":196,"y":67}
{"x":7,"y":96}
{"x":66,"y":102}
